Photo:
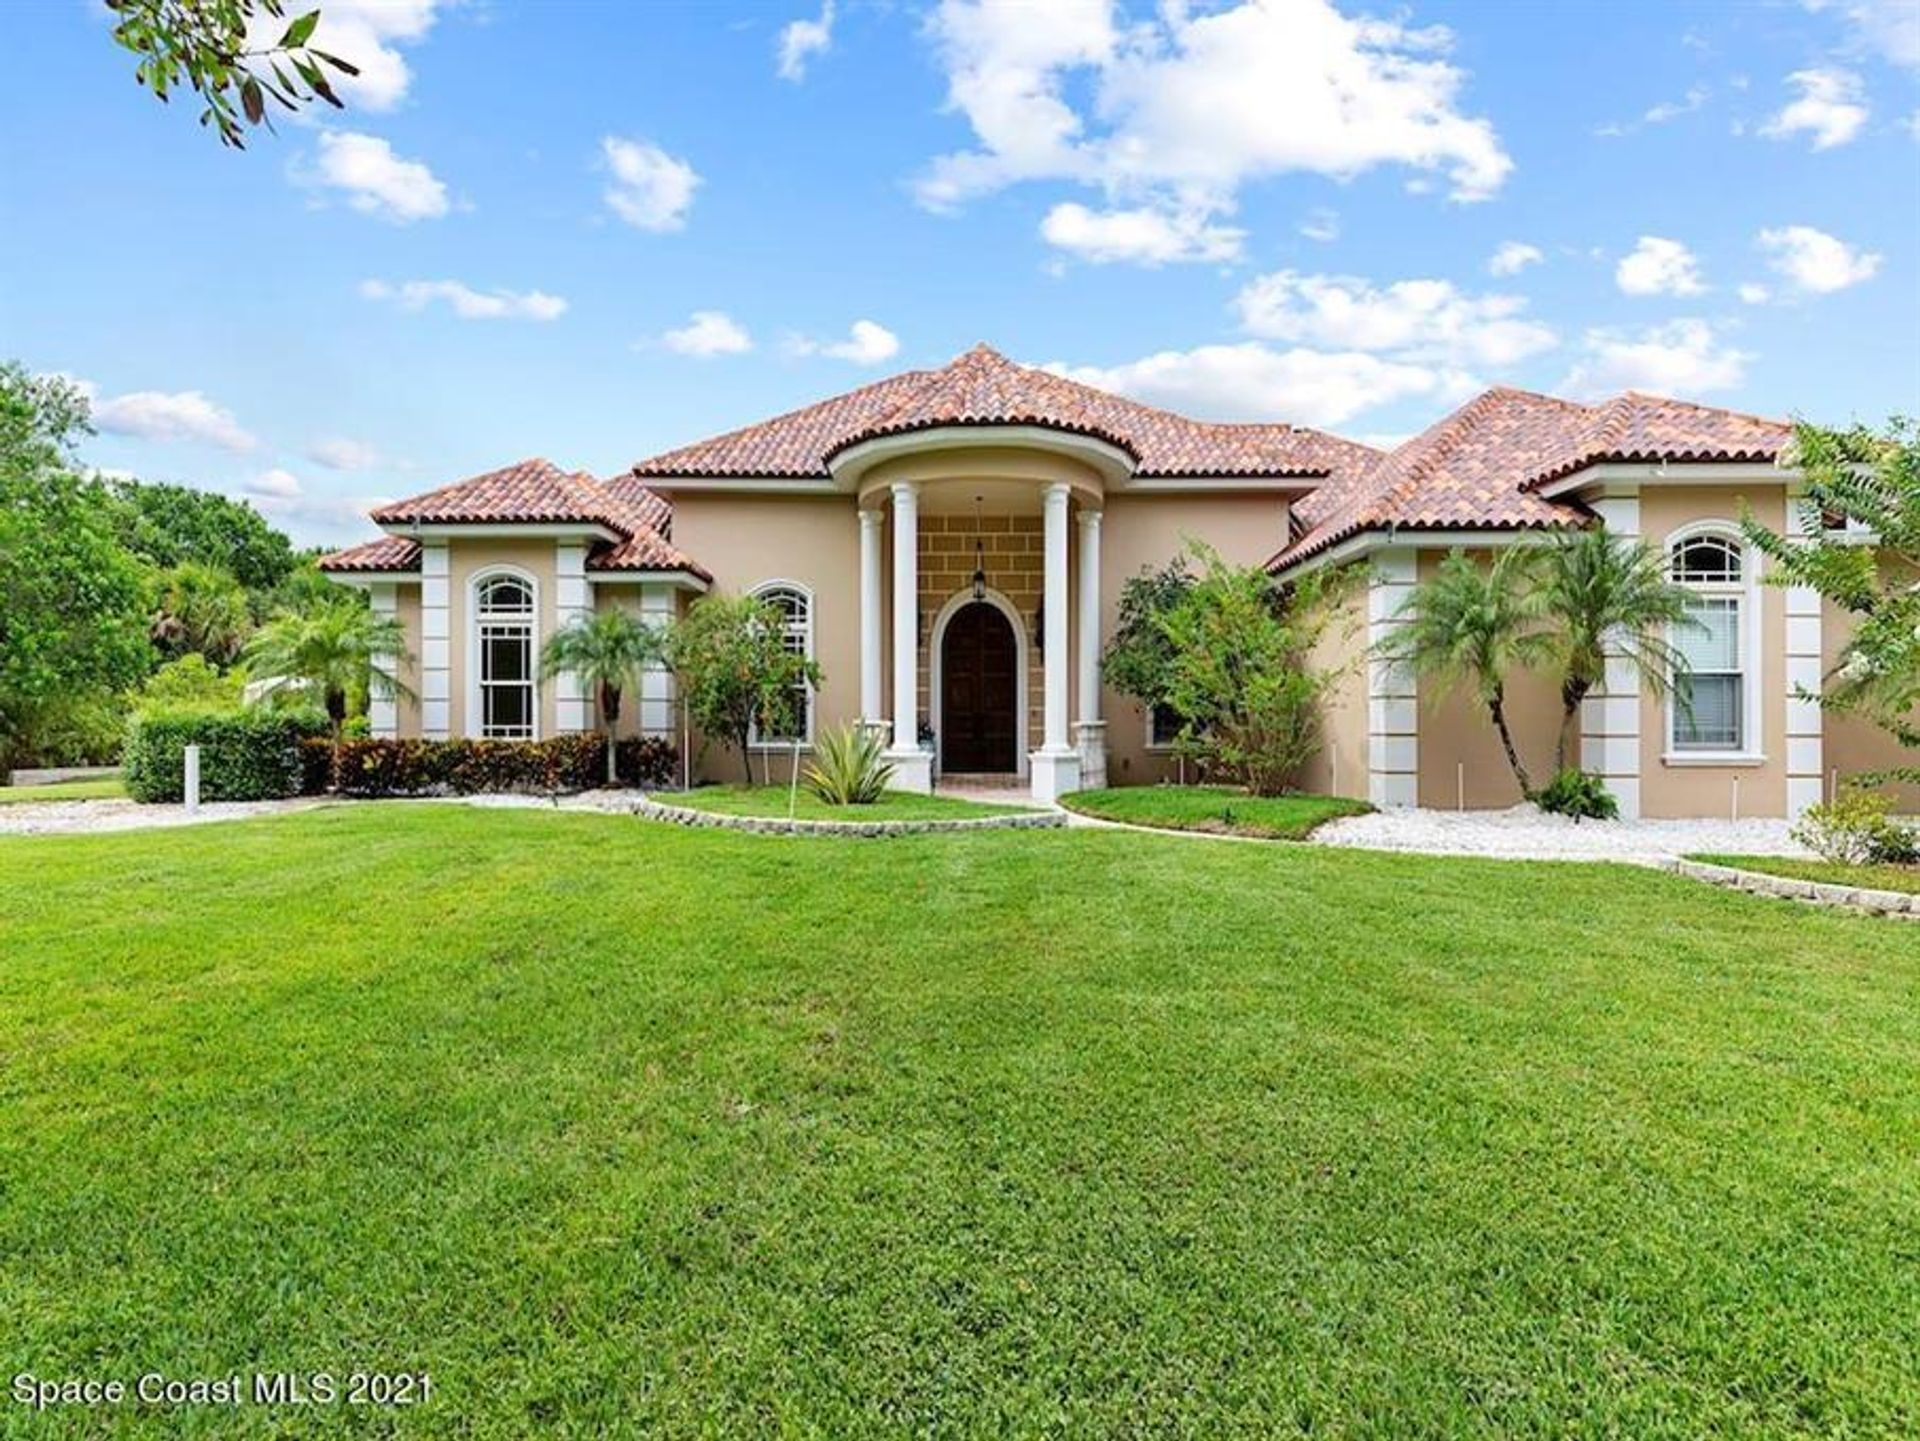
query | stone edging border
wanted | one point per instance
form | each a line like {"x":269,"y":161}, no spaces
{"x":1886,"y":903}
{"x":781,"y":826}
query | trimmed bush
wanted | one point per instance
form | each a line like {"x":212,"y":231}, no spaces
{"x":1579,"y":794}
{"x":467,"y":767}
{"x":245,"y":755}
{"x":647,"y":761}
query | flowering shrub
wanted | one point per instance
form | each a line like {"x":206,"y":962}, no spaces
{"x":464,"y":767}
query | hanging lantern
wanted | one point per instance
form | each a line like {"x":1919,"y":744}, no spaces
{"x":979,"y":555}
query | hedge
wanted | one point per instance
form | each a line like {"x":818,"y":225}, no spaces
{"x":245,"y":755}
{"x":463,"y":767}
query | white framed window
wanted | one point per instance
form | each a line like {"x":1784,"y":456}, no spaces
{"x":795,"y":604}
{"x":1713,"y":712}
{"x":503,"y":630}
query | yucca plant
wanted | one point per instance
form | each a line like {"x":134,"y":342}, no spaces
{"x":847,"y":769}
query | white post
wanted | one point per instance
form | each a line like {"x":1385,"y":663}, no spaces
{"x":912,"y":766}
{"x":1610,"y":716}
{"x":1056,"y":765}
{"x":870,"y":712}
{"x":1806,"y":745}
{"x":1393,"y":694}
{"x":572,"y":603}
{"x":190,"y":786}
{"x":1091,"y":733}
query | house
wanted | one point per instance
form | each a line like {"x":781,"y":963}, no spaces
{"x":950,"y":545}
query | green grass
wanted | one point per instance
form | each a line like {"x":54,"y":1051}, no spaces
{"x":615,"y":1127}
{"x":95,"y":788}
{"x":892,"y":806}
{"x":1224,"y":810}
{"x":1873,"y":877}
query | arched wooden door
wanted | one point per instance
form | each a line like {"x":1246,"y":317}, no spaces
{"x":978,"y":691}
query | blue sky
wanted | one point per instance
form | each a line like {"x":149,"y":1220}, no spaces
{"x":597,"y":231}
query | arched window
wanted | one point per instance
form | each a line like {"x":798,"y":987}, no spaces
{"x":795,"y":604}
{"x":503,"y":621}
{"x":1711,"y":699}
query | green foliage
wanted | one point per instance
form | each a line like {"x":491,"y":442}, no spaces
{"x":176,"y":525}
{"x":327,"y":655}
{"x":734,"y":671}
{"x":1139,"y":659}
{"x":847,"y":768}
{"x":205,"y":44}
{"x":606,"y":651}
{"x":200,"y":609}
{"x":1857,"y":829}
{"x":1603,"y":593}
{"x":1472,"y":624}
{"x":191,"y":681}
{"x":1217,"y":810}
{"x":245,"y":755}
{"x":1861,"y":517}
{"x":1580,"y":795}
{"x":465,"y":767}
{"x":1236,"y":671}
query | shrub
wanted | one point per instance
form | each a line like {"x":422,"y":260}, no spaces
{"x":647,"y":761}
{"x":847,"y":769}
{"x":465,"y":767}
{"x":245,"y":755}
{"x":1855,"y":830}
{"x":1580,"y":795}
{"x":192,"y":683}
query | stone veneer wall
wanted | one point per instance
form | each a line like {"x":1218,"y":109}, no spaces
{"x":1015,"y":567}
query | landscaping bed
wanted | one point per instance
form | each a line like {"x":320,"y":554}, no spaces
{"x":1905,"y":879}
{"x":1220,"y":810}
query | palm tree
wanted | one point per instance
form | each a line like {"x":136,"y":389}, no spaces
{"x":200,"y":608}
{"x":606,"y":651}
{"x":1474,"y":624}
{"x":1605,"y":593}
{"x":329,"y":653}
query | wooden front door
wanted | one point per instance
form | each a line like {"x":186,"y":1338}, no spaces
{"x":978,"y":691}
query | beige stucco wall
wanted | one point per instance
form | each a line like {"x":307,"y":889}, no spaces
{"x":467,"y":559}
{"x":407,"y":707}
{"x":1340,"y":768}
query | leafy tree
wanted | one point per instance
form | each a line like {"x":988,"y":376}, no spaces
{"x":1861,"y":519}
{"x":172,"y":525}
{"x":215,"y":47}
{"x":200,"y":609}
{"x":329,"y":654}
{"x":1604,"y":592}
{"x":734,"y":671}
{"x":607,"y":651}
{"x":192,"y":682}
{"x":1138,"y":660}
{"x":1237,"y":673}
{"x":1474,"y":625}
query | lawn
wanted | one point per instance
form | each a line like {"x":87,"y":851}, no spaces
{"x":772,"y":801}
{"x":614,"y":1127}
{"x":1873,"y":878}
{"x":94,"y":788}
{"x":1223,"y":810}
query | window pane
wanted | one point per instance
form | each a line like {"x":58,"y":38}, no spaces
{"x":1707,"y":559}
{"x":1166,"y":725}
{"x":506,"y":655}
{"x":1713,"y":642}
{"x":1709,"y":713}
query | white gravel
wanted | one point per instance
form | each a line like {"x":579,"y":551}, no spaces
{"x":1525,"y":833}
{"x":52,"y":818}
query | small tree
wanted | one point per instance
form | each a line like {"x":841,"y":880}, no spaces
{"x":735,"y":673}
{"x":1861,"y":521}
{"x":606,"y":651}
{"x":1600,"y":593}
{"x":1476,"y":624}
{"x":199,"y":609}
{"x":1139,"y":659}
{"x":329,"y":654}
{"x":1237,"y":672}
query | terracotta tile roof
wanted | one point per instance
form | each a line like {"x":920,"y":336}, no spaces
{"x":389,"y":552}
{"x":983,"y":387}
{"x":1477,"y":468}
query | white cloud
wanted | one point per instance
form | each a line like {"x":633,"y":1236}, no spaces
{"x":310,"y":517}
{"x":1814,"y":261}
{"x":1513,"y":257}
{"x":168,"y":415}
{"x":1912,"y":125}
{"x":466,"y":302}
{"x":375,"y":180}
{"x":1753,"y":293}
{"x":708,"y":333}
{"x":1147,"y":236}
{"x":1659,"y":267}
{"x":802,"y":39}
{"x":1321,"y":224}
{"x":1666,"y":110}
{"x":651,"y":189}
{"x":1891,"y":28}
{"x":867,"y":343}
{"x":1682,"y":357}
{"x":275,"y":484}
{"x":1423,"y":320}
{"x":1252,"y":381}
{"x":365,"y":33}
{"x":339,"y":453}
{"x":1829,"y":108}
{"x":1183,"y":109}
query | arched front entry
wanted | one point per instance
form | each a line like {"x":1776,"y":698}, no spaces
{"x":979,"y":688}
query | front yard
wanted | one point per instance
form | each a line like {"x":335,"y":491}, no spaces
{"x":615,"y":1126}
{"x":773,"y":801}
{"x":1871,"y":877}
{"x":1219,"y":810}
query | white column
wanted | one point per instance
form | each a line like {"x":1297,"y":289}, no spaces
{"x":1090,"y":736}
{"x":1393,"y":696}
{"x":912,"y":766}
{"x":656,"y":714}
{"x":1056,"y":765}
{"x":1805,"y":660}
{"x":870,"y":709}
{"x":383,"y":712}
{"x":1610,"y":716}
{"x":436,"y":644}
{"x":572,"y":708}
